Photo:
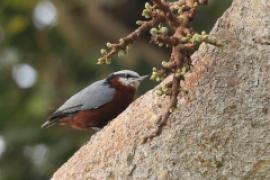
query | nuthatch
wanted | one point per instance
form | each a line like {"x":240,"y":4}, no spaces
{"x":98,"y":103}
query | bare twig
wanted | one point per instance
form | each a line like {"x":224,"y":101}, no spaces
{"x":129,"y":39}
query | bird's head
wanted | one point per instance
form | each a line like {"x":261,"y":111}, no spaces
{"x":126,"y":78}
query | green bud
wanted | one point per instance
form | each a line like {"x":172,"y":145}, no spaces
{"x":121,"y":40}
{"x":139,"y":22}
{"x":184,"y":39}
{"x":109,"y":45}
{"x":177,"y":74}
{"x":121,"y":53}
{"x":196,"y":38}
{"x":159,"y":93}
{"x":178,"y":70}
{"x":184,"y":70}
{"x":147,"y":5}
{"x":204,"y":37}
{"x":164,"y":89}
{"x":145,"y":13}
{"x":203,"y":33}
{"x":179,"y":11}
{"x":164,"y":30}
{"x":214,"y":41}
{"x":100,"y":61}
{"x":103,"y":51}
{"x":153,"y":31}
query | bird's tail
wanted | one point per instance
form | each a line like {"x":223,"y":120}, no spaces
{"x":49,"y":123}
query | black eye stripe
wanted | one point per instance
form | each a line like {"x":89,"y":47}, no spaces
{"x":122,"y":75}
{"x":125,"y":75}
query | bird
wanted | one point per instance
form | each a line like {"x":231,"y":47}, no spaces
{"x":97,"y":104}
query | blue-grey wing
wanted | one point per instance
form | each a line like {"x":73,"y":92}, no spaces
{"x":91,"y":97}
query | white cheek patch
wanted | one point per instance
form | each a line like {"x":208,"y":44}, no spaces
{"x":129,"y":82}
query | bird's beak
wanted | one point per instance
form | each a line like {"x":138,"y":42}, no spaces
{"x":143,"y":77}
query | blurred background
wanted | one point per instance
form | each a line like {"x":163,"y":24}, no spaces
{"x":48,"y":51}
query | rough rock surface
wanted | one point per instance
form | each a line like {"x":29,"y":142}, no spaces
{"x":220,"y":129}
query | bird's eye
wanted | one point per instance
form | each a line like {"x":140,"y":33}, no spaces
{"x":128,"y":76}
